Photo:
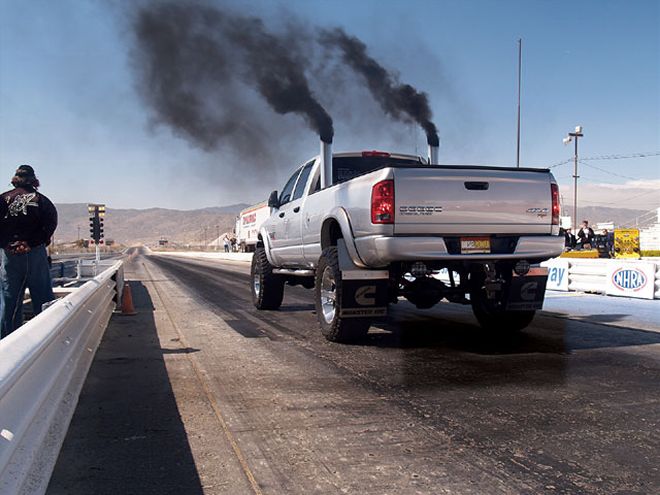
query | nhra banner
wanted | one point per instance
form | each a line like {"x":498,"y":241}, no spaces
{"x":631,"y":280}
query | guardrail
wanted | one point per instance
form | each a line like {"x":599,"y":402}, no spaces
{"x":628,"y":278}
{"x":43,"y":366}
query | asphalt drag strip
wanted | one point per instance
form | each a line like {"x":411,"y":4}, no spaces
{"x":426,"y":404}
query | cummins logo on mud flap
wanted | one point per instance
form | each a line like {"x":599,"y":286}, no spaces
{"x":528,"y":291}
{"x":366,"y":295}
{"x":361,"y":298}
{"x":629,"y":279}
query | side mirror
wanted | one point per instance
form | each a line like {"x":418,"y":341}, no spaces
{"x":273,"y":200}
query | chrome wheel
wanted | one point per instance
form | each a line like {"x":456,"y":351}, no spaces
{"x":328,"y":295}
{"x":256,"y":283}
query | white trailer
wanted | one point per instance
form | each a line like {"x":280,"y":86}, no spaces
{"x":248,"y":224}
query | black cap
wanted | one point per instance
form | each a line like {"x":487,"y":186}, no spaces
{"x":25,"y":171}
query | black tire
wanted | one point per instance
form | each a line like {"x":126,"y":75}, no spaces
{"x":267,"y":288}
{"x":494,"y":319}
{"x":333,"y":326}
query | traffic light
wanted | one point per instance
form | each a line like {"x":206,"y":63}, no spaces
{"x":95,"y":229}
{"x":96,"y":214}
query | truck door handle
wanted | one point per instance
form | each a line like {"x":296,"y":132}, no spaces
{"x":477,"y":186}
{"x":296,"y":209}
{"x":282,"y":215}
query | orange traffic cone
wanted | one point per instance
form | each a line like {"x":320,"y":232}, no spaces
{"x":127,"y":308}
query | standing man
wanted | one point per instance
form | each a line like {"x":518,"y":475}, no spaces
{"x":27,"y":222}
{"x":585,"y":235}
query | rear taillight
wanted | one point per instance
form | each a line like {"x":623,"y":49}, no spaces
{"x":380,"y":154}
{"x":554,"y":188}
{"x":382,"y":202}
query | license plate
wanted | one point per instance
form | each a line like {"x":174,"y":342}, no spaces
{"x":475,"y":245}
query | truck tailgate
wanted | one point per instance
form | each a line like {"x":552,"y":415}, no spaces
{"x":465,"y":200}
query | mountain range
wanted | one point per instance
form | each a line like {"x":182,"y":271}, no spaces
{"x":147,"y":226}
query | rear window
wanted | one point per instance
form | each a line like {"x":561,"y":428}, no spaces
{"x":345,"y":168}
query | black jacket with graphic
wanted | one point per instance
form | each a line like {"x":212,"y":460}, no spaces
{"x":26,"y":215}
{"x":585,"y":236}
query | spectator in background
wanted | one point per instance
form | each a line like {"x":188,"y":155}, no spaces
{"x":225,"y":241}
{"x":585,"y":236}
{"x":569,"y":240}
{"x":27,"y":222}
{"x":609,"y":242}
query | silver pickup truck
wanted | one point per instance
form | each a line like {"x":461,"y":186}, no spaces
{"x":365,"y":229}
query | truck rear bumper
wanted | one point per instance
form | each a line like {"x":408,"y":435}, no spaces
{"x":378,"y":251}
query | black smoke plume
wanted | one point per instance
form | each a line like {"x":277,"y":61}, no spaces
{"x":400,"y":101}
{"x":195,"y":60}
{"x":205,"y":69}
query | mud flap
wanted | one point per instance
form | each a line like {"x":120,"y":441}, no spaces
{"x":527,"y":292}
{"x":364,"y":292}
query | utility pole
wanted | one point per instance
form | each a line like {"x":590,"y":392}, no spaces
{"x":519,"y":91}
{"x":574,"y":136}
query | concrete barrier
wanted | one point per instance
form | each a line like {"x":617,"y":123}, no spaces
{"x":628,"y":278}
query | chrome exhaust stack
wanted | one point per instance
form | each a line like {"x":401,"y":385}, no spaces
{"x":326,"y":164}
{"x":433,"y":140}
{"x":433,"y":154}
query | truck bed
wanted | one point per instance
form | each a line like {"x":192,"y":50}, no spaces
{"x":472,"y":200}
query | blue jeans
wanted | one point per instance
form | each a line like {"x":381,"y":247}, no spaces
{"x":17,"y":272}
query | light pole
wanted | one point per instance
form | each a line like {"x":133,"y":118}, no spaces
{"x":519,"y":89}
{"x":574,"y":136}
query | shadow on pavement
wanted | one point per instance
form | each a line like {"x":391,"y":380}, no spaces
{"x":126,"y":435}
{"x":430,"y":331}
{"x":603,"y":318}
{"x":438,"y":352}
{"x":293,"y":308}
{"x":554,"y":335}
{"x":185,"y":350}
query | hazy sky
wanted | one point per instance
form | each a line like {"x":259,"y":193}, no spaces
{"x":69,"y":105}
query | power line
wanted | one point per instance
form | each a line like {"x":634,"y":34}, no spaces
{"x":608,"y":172}
{"x":597,"y":182}
{"x":610,"y":157}
{"x":561,"y":163}
{"x":622,"y":157}
{"x":643,"y":218}
{"x":642,"y":194}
